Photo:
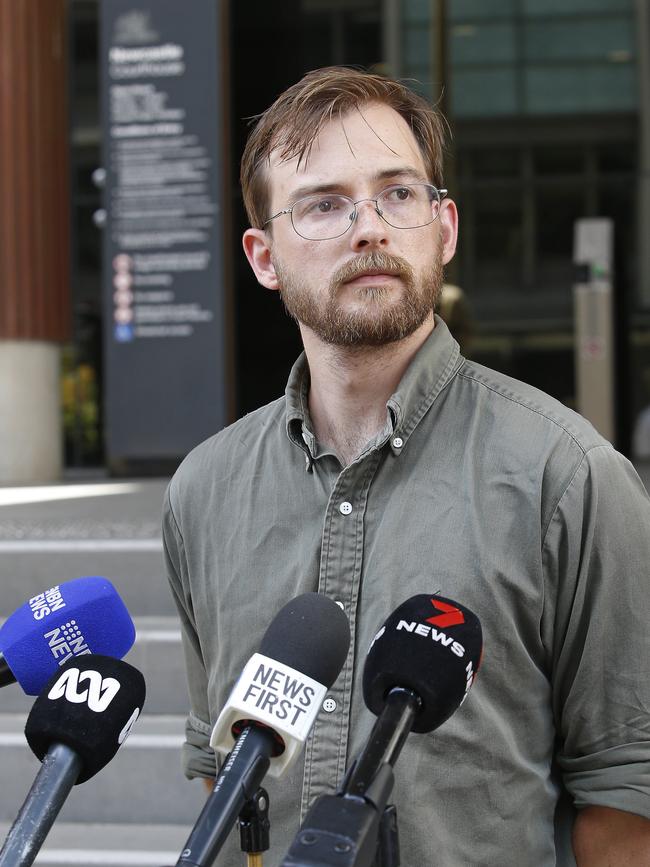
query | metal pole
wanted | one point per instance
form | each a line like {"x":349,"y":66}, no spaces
{"x":57,"y":775}
{"x":643,"y":211}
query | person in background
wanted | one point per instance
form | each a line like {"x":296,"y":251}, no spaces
{"x":393,"y":466}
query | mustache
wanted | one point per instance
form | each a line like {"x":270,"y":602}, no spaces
{"x":375,"y":261}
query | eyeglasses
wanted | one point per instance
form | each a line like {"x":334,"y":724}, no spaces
{"x":404,"y":206}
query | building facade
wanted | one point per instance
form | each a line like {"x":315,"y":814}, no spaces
{"x":548,"y":103}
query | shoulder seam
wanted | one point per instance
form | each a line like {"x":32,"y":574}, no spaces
{"x":556,"y":422}
{"x":586,"y":452}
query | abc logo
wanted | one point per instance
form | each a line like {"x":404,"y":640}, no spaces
{"x":85,"y":687}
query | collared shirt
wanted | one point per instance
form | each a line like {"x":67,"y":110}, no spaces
{"x":479,"y":488}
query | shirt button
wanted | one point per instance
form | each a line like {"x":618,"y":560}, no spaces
{"x":345,"y":508}
{"x":329,"y":705}
{"x":398,"y":442}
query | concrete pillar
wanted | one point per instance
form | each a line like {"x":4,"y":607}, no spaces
{"x":30,"y":429}
{"x":35,"y":312}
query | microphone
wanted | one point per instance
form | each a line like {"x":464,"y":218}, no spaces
{"x":85,"y":615}
{"x":270,"y":712}
{"x":76,"y":725}
{"x":419,"y":669}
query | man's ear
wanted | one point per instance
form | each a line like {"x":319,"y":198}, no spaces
{"x":449,"y":229}
{"x":258,"y":253}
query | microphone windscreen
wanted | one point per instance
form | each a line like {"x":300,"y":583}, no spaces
{"x":90,"y":705}
{"x":431,"y":645}
{"x":85,"y":615}
{"x":311,"y":634}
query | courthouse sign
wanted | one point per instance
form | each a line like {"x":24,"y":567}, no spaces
{"x":164,"y":299}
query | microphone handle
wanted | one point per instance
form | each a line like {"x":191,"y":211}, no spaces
{"x":344,"y":829}
{"x":57,"y":775}
{"x":238,"y":780}
{"x":386,"y":740}
{"x":6,"y":674}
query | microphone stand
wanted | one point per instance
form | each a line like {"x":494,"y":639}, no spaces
{"x":254,"y":826}
{"x":237,"y":783}
{"x":57,"y":775}
{"x":354,"y":827}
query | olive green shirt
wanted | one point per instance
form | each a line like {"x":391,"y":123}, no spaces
{"x":479,"y":488}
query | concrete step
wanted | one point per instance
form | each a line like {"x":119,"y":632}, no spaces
{"x":71,"y":844}
{"x":143,"y":783}
{"x":157,"y":653}
{"x":134,"y":566}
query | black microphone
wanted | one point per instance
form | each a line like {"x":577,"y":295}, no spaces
{"x":270,"y":712}
{"x":76,"y":725}
{"x":418,"y":671}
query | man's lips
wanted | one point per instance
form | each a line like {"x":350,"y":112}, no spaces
{"x":372,"y":277}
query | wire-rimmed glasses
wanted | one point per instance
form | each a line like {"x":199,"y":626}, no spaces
{"x":323,"y":216}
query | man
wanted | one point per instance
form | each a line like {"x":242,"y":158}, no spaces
{"x":392,"y":467}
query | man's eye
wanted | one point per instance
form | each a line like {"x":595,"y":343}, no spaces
{"x":399,"y":194}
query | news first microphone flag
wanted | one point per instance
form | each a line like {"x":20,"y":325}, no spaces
{"x":78,"y":617}
{"x":284,"y":684}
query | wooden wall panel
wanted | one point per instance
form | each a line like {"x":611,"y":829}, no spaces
{"x":34,"y":178}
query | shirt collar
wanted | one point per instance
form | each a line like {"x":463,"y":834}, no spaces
{"x":429,"y":372}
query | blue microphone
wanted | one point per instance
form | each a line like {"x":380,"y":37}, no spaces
{"x":85,"y":615}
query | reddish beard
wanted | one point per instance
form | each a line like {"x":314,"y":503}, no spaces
{"x":379,"y":319}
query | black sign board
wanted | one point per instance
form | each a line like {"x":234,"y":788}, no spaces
{"x":165,"y":329}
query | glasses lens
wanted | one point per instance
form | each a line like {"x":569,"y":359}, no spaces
{"x":320,"y":217}
{"x":409,"y":206}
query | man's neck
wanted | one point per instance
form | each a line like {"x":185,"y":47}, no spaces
{"x":350,"y":387}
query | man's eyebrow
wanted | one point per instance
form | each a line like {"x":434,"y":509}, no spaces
{"x":313,"y":189}
{"x":403,"y":173}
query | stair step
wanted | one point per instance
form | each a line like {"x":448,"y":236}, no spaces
{"x":71,"y":844}
{"x":144,"y":780}
{"x":134,"y":566}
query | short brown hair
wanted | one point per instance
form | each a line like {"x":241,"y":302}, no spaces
{"x":294,"y":120}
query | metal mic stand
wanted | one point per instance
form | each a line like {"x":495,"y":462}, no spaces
{"x":254,"y":826}
{"x":355,"y":827}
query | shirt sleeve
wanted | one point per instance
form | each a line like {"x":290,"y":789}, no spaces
{"x":597,"y":556}
{"x":198,"y":757}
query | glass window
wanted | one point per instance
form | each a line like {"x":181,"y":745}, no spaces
{"x":617,"y":157}
{"x":557,"y":209}
{"x":459,"y":10}
{"x":483,"y":92}
{"x":588,"y":88}
{"x":604,"y":39}
{"x":559,"y":160}
{"x":498,"y":239}
{"x":501,"y":162}
{"x":482,"y":43}
{"x":543,"y":8}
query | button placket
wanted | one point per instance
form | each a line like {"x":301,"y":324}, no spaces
{"x":340,"y":578}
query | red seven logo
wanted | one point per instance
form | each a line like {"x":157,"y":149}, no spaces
{"x":452,"y":616}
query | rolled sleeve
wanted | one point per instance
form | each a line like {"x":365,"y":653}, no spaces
{"x":617,"y":778}
{"x":197,"y":755}
{"x":597,"y":551}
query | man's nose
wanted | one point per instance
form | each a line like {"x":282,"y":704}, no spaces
{"x":368,"y":226}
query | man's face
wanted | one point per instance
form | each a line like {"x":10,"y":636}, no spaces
{"x":375,"y":284}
